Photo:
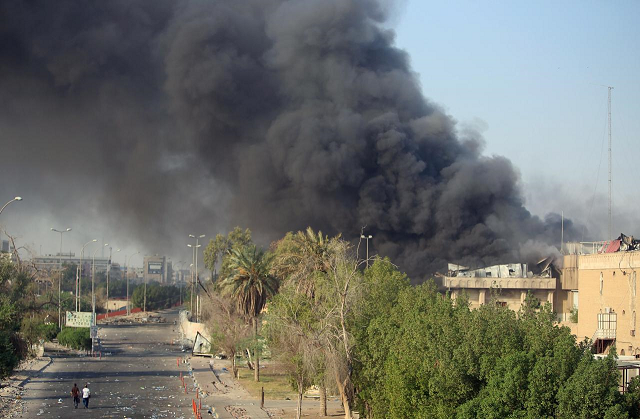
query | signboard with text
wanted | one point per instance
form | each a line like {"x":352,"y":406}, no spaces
{"x":79,"y":319}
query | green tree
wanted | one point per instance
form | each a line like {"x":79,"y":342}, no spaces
{"x":592,"y":390}
{"x":383,"y":284}
{"x":17,"y":298}
{"x":293,"y":332}
{"x":219,"y":248}
{"x":301,"y":260}
{"x":225,"y":325}
{"x":249,"y":284}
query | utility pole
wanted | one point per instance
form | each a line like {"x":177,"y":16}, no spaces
{"x":196,"y":279}
{"x":60,"y":279}
{"x":126,"y":274}
{"x":108,"y":271}
{"x":609,"y":129}
{"x":362,"y":236}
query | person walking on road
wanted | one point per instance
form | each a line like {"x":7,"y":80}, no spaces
{"x":86,"y":394}
{"x":75,"y":393}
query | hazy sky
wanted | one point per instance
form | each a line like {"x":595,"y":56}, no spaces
{"x":528,"y":76}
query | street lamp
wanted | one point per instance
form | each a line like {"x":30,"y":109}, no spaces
{"x":79,"y":277}
{"x":126,"y":274}
{"x":196,"y":279}
{"x":17,"y":198}
{"x":179,"y":278}
{"x":362,"y":236}
{"x":109,"y":270}
{"x":93,"y":276}
{"x":60,"y":279}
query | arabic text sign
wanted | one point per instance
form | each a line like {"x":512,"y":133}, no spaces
{"x":78,"y":319}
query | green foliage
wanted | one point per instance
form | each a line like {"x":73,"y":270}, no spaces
{"x":217,"y":250}
{"x":425,"y":355}
{"x":48,"y":331}
{"x":75,"y":338}
{"x":591,"y":391}
{"x":9,"y":357}
{"x":34,"y":328}
{"x":17,"y":298}
{"x":249,"y":282}
{"x":574,"y":315}
{"x":158,"y":296}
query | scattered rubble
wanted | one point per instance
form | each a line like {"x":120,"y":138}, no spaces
{"x":237,"y":412}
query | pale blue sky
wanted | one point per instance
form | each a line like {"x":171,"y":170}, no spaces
{"x":530,"y":74}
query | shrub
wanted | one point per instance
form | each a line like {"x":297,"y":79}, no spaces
{"x":75,"y":337}
{"x":48,"y":331}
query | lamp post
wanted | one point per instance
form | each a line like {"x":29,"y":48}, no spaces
{"x":17,"y":198}
{"x":181,"y":263}
{"x":79,"y":275}
{"x":108,"y":271}
{"x":362,"y":236}
{"x":93,"y":276}
{"x":60,"y":279}
{"x":196,"y":279}
{"x":191,"y":283}
{"x":126,"y":274}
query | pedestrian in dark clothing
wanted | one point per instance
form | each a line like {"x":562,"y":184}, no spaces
{"x":75,"y":393}
{"x":86,"y":394}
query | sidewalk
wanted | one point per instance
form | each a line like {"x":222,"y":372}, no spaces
{"x":11,"y":403}
{"x":221,"y":392}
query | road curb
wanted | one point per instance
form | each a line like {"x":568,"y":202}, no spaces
{"x":31,"y":373}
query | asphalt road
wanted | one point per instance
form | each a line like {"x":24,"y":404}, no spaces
{"x":140,"y":379}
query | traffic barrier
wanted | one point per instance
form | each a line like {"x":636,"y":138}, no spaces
{"x":118,"y":313}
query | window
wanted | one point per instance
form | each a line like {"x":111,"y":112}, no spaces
{"x":607,"y":321}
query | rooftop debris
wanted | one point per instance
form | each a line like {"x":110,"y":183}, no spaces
{"x":510,"y":270}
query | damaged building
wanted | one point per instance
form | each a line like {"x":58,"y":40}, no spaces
{"x":508,"y":285}
{"x":605,"y":275}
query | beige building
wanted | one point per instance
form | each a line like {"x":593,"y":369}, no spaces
{"x":509,"y":284}
{"x":157,"y":268}
{"x":605,"y":274}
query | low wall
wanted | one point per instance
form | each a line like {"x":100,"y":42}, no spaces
{"x":189,"y":330}
{"x":117,"y":313}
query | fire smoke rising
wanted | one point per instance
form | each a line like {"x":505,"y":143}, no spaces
{"x":270,"y":114}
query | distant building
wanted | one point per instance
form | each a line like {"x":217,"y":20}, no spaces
{"x":181,"y":276}
{"x":508,"y":285}
{"x":158,"y":269}
{"x":51,"y":263}
{"x":605,"y":277}
{"x":5,"y":246}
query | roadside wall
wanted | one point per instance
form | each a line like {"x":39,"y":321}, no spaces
{"x":189,"y":329}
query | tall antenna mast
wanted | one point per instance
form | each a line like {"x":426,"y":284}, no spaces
{"x":609,"y":126}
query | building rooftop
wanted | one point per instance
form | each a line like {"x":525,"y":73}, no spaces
{"x":623,"y":243}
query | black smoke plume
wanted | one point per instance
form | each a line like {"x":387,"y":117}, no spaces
{"x":174,"y":116}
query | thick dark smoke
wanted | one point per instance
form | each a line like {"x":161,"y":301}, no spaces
{"x":193,"y":115}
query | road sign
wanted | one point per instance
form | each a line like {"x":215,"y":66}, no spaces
{"x":79,"y":319}
{"x":94,"y":332}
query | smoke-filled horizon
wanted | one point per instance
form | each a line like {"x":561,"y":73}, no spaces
{"x":166,"y":117}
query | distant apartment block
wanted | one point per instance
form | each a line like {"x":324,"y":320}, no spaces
{"x":157,"y":268}
{"x":49,"y":263}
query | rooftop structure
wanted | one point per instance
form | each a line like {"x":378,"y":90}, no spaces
{"x":510,"y":283}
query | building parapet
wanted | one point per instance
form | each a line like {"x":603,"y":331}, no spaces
{"x":543,"y":283}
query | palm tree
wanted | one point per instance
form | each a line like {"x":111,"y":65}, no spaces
{"x":300,"y":257}
{"x":250,"y":283}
